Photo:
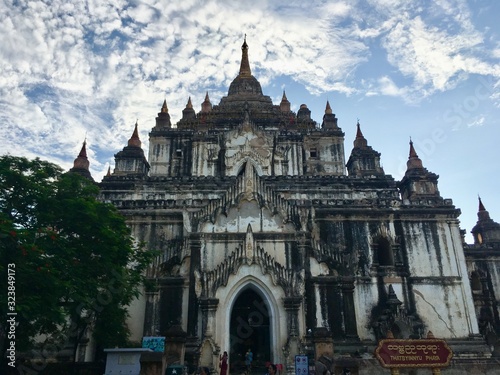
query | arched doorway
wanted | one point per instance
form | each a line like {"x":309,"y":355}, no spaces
{"x":249,"y":329}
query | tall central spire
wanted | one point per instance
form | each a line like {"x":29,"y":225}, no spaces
{"x":245,"y":65}
{"x":245,"y":84}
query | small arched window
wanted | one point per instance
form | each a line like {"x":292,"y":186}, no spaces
{"x":475,"y":282}
{"x":384,"y":252}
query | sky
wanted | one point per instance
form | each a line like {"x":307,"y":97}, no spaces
{"x":429,"y":70}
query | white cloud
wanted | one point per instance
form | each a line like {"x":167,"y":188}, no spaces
{"x":479,"y":121}
{"x":108,"y":63}
{"x":435,"y":57}
{"x":388,"y":87}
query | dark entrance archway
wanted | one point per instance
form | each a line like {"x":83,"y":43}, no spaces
{"x":249,"y":329}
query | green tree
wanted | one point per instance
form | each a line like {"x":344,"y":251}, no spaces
{"x":76,"y":265}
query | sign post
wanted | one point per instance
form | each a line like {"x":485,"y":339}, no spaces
{"x":399,"y":353}
{"x":301,"y":365}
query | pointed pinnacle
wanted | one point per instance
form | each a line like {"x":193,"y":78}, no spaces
{"x":414,"y":161}
{"x":245,"y":65}
{"x":83,"y":151}
{"x":328,"y":109}
{"x":481,"y":205}
{"x":359,"y":134}
{"x":134,"y":140}
{"x":413,"y":153}
{"x":164,"y":107}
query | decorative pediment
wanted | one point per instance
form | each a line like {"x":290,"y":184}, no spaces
{"x":207,"y":282}
{"x":238,"y":217}
{"x":248,"y":144}
{"x":248,"y":201}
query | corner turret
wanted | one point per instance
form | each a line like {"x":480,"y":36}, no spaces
{"x":364,"y":160}
{"x":418,"y":184}
{"x":81,"y":163}
{"x":188,"y":113}
{"x":304,"y":113}
{"x":163,"y":119}
{"x":188,"y":120}
{"x":285,"y":104}
{"x":486,"y":231}
{"x":329,"y":119}
{"x":131,"y":160}
{"x":206,"y":106}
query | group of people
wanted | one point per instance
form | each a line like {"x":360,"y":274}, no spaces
{"x":248,"y":362}
{"x":272,"y":369}
{"x":223,"y":363}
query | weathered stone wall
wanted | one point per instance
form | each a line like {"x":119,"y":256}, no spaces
{"x":250,"y":197}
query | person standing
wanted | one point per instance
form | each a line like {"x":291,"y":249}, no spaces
{"x":272,"y":369}
{"x":223,"y":364}
{"x":248,"y":360}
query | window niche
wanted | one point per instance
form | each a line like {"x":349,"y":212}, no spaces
{"x":383,"y":253}
{"x":313,"y":153}
{"x":475,"y":282}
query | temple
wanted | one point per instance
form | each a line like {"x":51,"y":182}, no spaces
{"x":272,"y":241}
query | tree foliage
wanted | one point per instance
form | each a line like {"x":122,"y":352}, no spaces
{"x":76,"y":265}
